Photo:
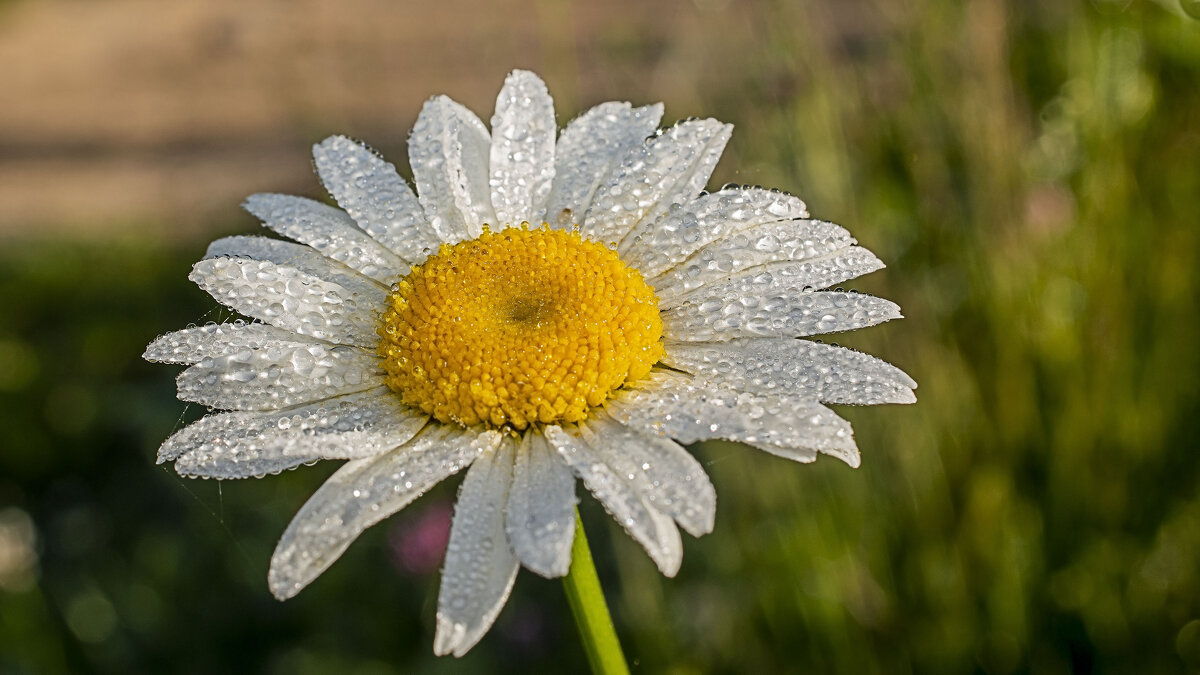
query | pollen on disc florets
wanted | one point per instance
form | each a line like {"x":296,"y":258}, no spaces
{"x":518,"y":326}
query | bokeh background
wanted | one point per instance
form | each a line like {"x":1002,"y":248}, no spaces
{"x":1029,"y":170}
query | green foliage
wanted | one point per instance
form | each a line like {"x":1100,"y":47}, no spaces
{"x":1030,"y":175}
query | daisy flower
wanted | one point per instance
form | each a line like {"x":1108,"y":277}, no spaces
{"x":544,"y":307}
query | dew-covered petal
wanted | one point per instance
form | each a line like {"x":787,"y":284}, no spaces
{"x":786,"y":312}
{"x":622,"y":498}
{"x":799,"y":454}
{"x":298,"y":256}
{"x":241,"y":444}
{"x":522,"y":154}
{"x":480,"y":567}
{"x":670,"y":168}
{"x":221,"y":467}
{"x":819,"y":272}
{"x":690,"y":410}
{"x":799,"y":241}
{"x":329,"y":231}
{"x":364,"y":492}
{"x":796,"y":367}
{"x":192,"y":345}
{"x":449,"y":150}
{"x":286,"y":297}
{"x":279,"y":375}
{"x":656,"y":245}
{"x":375,"y":196}
{"x":541,"y":508}
{"x":669,"y":478}
{"x":588,"y":149}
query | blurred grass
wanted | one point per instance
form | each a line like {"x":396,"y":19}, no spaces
{"x":1028,"y":171}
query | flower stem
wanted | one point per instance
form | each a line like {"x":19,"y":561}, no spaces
{"x":591,"y":613}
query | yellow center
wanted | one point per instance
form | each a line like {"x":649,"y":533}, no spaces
{"x":518,"y":326}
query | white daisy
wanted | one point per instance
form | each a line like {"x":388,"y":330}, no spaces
{"x":416,"y":335}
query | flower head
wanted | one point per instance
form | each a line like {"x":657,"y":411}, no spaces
{"x":545,"y":307}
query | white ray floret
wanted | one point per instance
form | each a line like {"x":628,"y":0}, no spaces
{"x":787,"y":241}
{"x":375,"y":197}
{"x":362,"y":493}
{"x":329,"y":231}
{"x":449,"y":150}
{"x":541,"y":508}
{"x":769,"y":277}
{"x":279,"y":375}
{"x":480,"y":566}
{"x":588,"y":150}
{"x":667,"y":476}
{"x":284,"y":296}
{"x":296,"y":256}
{"x":235,"y":444}
{"x":621,"y":496}
{"x":522,"y":153}
{"x":655,"y":246}
{"x":192,"y":345}
{"x":677,"y":406}
{"x":669,"y":168}
{"x":796,"y":367}
{"x":772,"y":310}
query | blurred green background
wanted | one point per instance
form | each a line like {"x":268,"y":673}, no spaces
{"x":1030,"y":171}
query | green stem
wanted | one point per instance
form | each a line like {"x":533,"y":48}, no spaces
{"x":591,"y":613}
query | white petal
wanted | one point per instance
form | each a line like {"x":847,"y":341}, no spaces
{"x":541,"y":508}
{"x":364,"y":492}
{"x":799,"y":454}
{"x":796,"y":367}
{"x":691,"y":410}
{"x":223,"y":467}
{"x":279,"y":375}
{"x":449,"y":151}
{"x":303,"y":258}
{"x":810,"y":241}
{"x":522,"y":154}
{"x":329,"y":231}
{"x":669,"y":478}
{"x":765,"y":311}
{"x":286,"y":297}
{"x":656,"y":245}
{"x":242,"y":444}
{"x":669,"y":168}
{"x":622,"y":499}
{"x":375,"y":196}
{"x":480,"y":567}
{"x":804,"y":455}
{"x":192,"y":345}
{"x":589,"y":148}
{"x":819,"y":272}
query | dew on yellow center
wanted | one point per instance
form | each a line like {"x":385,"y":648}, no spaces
{"x":518,"y":326}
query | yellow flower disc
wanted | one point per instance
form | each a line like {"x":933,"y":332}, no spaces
{"x":518,"y":326}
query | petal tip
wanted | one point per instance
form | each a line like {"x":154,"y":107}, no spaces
{"x":450,"y":638}
{"x":518,"y":74}
{"x":283,"y":586}
{"x":554,"y":570}
{"x":670,"y":568}
{"x":331,"y":141}
{"x":280,"y":588}
{"x":847,"y":452}
{"x":251,"y":203}
{"x":149,"y":353}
